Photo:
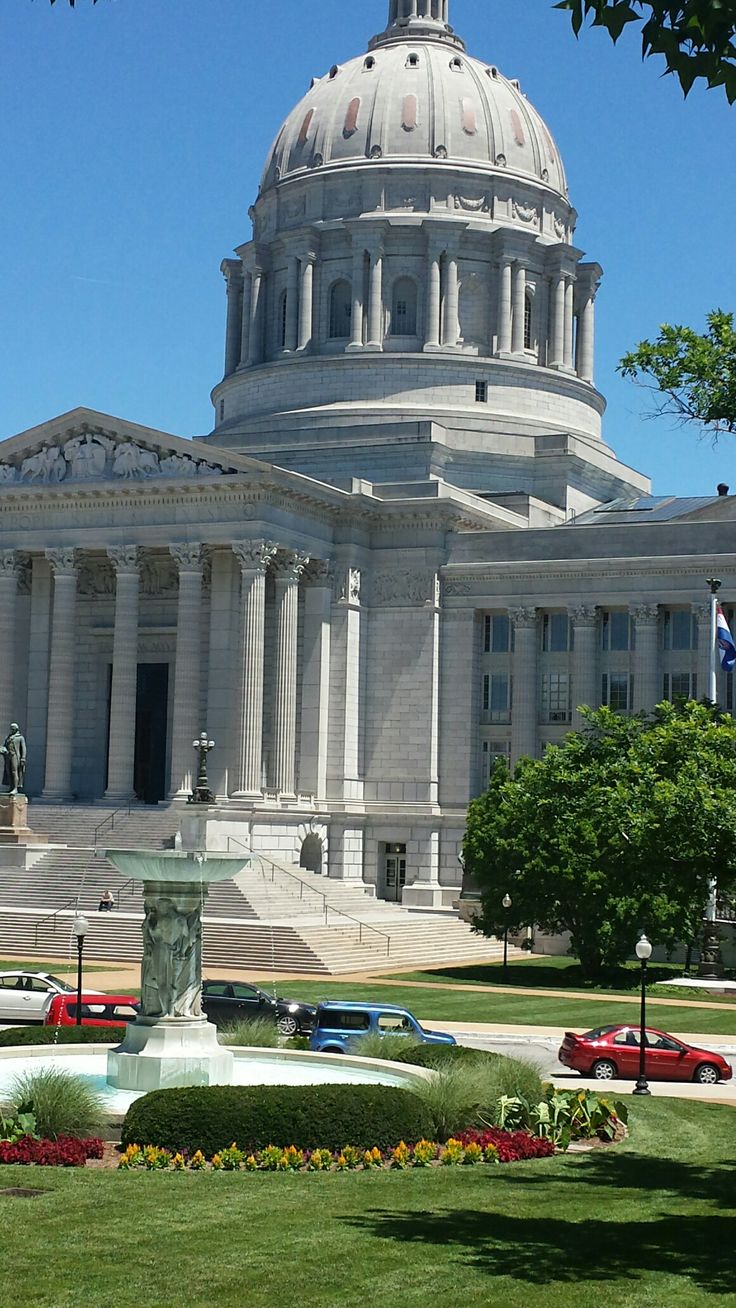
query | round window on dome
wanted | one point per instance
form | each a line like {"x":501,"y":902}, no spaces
{"x":333,"y":72}
{"x":456,"y":65}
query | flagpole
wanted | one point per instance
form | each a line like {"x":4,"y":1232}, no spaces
{"x":710,"y":953}
{"x":715,"y":586}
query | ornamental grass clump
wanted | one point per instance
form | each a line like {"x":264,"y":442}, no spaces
{"x":260,"y":1033}
{"x":374,"y":1045}
{"x":62,"y":1103}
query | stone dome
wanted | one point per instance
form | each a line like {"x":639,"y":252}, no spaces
{"x":416,"y":96}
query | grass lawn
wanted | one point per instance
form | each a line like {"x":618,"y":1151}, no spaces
{"x":560,"y":973}
{"x":647,"y":1224}
{"x":455,"y":1005}
{"x":56,"y":969}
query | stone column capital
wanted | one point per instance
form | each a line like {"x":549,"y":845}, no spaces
{"x":523,"y":618}
{"x":232,"y":271}
{"x":188,"y":556}
{"x":583,"y":615}
{"x":63,"y":562}
{"x":319,"y":572}
{"x":288,"y":566}
{"x":124,"y":558}
{"x":254,"y":555}
{"x":702,"y":611}
{"x":644,"y":614}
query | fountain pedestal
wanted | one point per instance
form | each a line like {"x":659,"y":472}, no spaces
{"x":171,"y":1043}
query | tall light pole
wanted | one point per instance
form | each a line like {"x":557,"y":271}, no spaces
{"x":506,"y":901}
{"x":710,"y":953}
{"x":643,"y":953}
{"x":80,"y":927}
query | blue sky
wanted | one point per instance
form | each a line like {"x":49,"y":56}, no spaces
{"x":133,"y":136}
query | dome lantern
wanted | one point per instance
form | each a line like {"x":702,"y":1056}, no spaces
{"x":420,"y":19}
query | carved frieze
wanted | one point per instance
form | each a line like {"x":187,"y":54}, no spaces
{"x":419,"y":587}
{"x":524,"y":213}
{"x":474,"y":203}
{"x":346,"y":585}
{"x":96,"y":577}
{"x":159,"y":575}
{"x":88,"y":454}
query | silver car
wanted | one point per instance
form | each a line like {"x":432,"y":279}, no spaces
{"x":25,"y":995}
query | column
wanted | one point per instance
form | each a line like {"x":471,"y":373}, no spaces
{"x":375,"y":299}
{"x":524,"y":672}
{"x":9,"y":712}
{"x":503,"y":340}
{"x":38,"y":672}
{"x":347,"y":665}
{"x":233,"y":273}
{"x":557,"y":323}
{"x":705,"y":657}
{"x":121,"y":749}
{"x":255,"y":347}
{"x":315,"y":679}
{"x":452,"y":303}
{"x":223,"y":686}
{"x":288,"y":569}
{"x":647,"y":679}
{"x":356,"y":318}
{"x":519,"y":298}
{"x":245,"y":325}
{"x":434,"y":301}
{"x":569,"y":321}
{"x":254,"y":558}
{"x":60,"y":716}
{"x":187,"y":719}
{"x":306,"y":307}
{"x":585,"y":661}
{"x":586,"y":338}
{"x":292,"y":303}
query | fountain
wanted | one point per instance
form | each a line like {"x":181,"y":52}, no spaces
{"x":171,"y":1042}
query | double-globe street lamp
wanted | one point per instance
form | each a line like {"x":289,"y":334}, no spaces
{"x":643,"y":953}
{"x":80,"y":927}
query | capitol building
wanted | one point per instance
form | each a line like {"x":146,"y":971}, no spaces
{"x":404,"y":549}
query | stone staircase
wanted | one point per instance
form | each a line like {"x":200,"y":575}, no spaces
{"x":272,"y":916}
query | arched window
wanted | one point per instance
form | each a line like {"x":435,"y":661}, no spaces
{"x":282,"y":320}
{"x":311,"y":853}
{"x":340,"y":311}
{"x":528,"y":322}
{"x":404,"y":308}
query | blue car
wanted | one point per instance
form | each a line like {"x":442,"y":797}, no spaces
{"x":339,"y":1027}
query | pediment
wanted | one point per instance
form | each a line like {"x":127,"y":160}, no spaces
{"x":84,"y":446}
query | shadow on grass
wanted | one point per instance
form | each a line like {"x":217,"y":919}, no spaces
{"x":548,"y":1250}
{"x":562,"y":976}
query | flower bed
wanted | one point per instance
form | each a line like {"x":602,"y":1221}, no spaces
{"x":472,"y":1148}
{"x":66,"y":1151}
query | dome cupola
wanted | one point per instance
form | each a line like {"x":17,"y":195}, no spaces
{"x":417,"y":18}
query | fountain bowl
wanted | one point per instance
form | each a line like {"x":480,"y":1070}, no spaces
{"x":167,"y":866}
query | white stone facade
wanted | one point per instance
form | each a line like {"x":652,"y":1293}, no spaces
{"x":404,"y":550}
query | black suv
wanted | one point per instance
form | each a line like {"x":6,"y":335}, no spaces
{"x":226,"y":1002}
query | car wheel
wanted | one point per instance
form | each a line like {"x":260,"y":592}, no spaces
{"x":604,"y":1070}
{"x":287,"y":1025}
{"x":707,"y":1074}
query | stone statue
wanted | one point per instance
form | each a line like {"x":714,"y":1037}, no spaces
{"x":13,"y":752}
{"x":172,"y":957}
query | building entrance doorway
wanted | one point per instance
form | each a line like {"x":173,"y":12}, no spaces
{"x":395,"y":871}
{"x":149,"y":769}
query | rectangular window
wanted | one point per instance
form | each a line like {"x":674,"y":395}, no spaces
{"x":556,"y":633}
{"x":481,"y":392}
{"x":680,"y":685}
{"x":493,"y":750}
{"x":680,"y":629}
{"x":496,"y":697}
{"x":556,"y":697}
{"x":496,"y":633}
{"x":617,"y":630}
{"x":617,"y":691}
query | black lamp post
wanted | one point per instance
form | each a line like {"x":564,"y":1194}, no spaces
{"x":643,"y":953}
{"x":80,"y":927}
{"x":506,"y":901}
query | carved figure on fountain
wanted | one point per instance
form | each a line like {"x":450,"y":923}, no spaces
{"x":171,"y":972}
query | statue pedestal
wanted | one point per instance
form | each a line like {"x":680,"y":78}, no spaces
{"x":14,"y":828}
{"x":158,"y":1053}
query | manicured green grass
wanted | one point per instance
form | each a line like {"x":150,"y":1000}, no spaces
{"x":56,"y":969}
{"x":555,"y":973}
{"x":455,"y":1005}
{"x":642,"y":1225}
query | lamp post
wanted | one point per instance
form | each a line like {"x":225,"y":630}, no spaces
{"x":643,"y":953}
{"x":80,"y":927}
{"x":202,"y":793}
{"x":506,"y":901}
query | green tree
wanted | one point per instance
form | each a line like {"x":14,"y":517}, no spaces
{"x":696,"y":38}
{"x":693,"y":375}
{"x":618,"y":829}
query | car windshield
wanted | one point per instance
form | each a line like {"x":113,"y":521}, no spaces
{"x":57,"y":981}
{"x":598,"y":1032}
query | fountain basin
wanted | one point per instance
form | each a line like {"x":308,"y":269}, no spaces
{"x":167,"y":866}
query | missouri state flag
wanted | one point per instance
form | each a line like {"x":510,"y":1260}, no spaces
{"x":724,"y":640}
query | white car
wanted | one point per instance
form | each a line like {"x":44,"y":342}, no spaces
{"x":25,"y":995}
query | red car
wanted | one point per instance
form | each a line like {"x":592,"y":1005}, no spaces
{"x":613,"y":1051}
{"x":97,"y":1010}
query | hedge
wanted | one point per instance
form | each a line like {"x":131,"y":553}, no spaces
{"x":436,"y":1056}
{"x":61,"y":1035}
{"x":210,"y":1118}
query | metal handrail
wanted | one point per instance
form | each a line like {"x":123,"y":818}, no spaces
{"x":126,"y":809}
{"x":51,"y":917}
{"x":326,"y":907}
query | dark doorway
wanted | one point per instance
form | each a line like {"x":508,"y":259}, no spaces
{"x":311,"y":855}
{"x":150,"y":732}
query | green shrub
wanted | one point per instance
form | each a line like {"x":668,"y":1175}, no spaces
{"x":441,"y":1055}
{"x":62,"y":1035}
{"x":62,"y":1103}
{"x":455,"y":1098}
{"x":509,"y":1076}
{"x":300,"y":1042}
{"x":375,"y":1045}
{"x":471,"y":1083}
{"x":310,"y":1117}
{"x":261,"y":1033}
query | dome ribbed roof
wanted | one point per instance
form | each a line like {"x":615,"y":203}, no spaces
{"x":416,"y":97}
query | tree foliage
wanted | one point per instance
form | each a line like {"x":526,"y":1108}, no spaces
{"x":617,"y":830}
{"x":696,"y":38}
{"x":693,"y":375}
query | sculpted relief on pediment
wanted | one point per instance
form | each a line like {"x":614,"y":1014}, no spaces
{"x":90,"y":454}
